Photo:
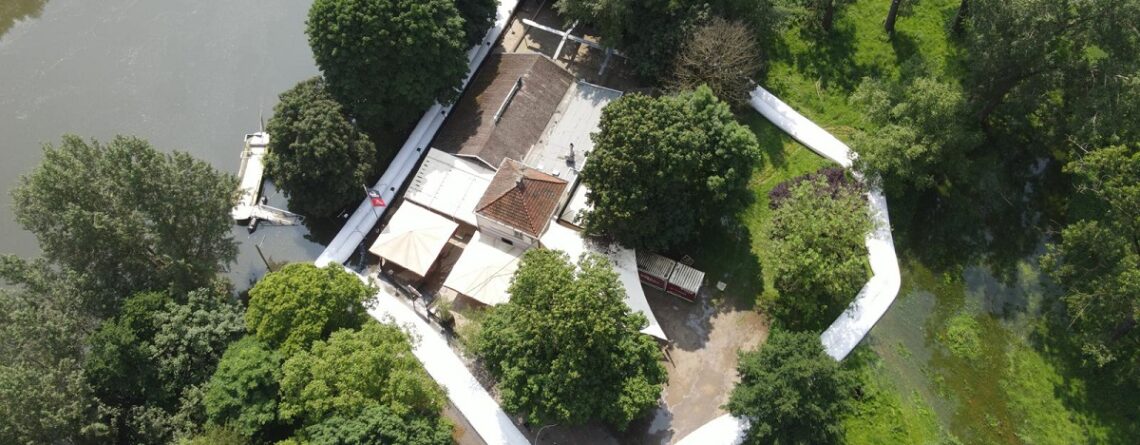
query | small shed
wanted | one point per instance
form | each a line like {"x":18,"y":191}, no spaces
{"x":685,"y":282}
{"x":654,"y":269}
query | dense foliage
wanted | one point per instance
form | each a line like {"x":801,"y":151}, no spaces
{"x":817,"y":237}
{"x":44,"y":396}
{"x":363,"y":382}
{"x":127,"y":217}
{"x":566,"y":348}
{"x":291,"y":308}
{"x":791,"y":392}
{"x":651,"y":32}
{"x":242,"y":393}
{"x":387,"y":60}
{"x":922,"y":136}
{"x":722,"y":55}
{"x":1097,"y":261}
{"x":478,"y":16}
{"x":146,"y":365}
{"x":316,"y":156}
{"x":665,"y":168}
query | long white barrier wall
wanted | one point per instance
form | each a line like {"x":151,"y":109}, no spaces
{"x":873,"y":299}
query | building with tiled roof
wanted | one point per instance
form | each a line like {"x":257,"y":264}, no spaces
{"x":519,"y":203}
{"x":505,"y":109}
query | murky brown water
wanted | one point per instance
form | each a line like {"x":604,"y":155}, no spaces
{"x":187,"y":75}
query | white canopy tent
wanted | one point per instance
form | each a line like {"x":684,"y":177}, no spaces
{"x":624,"y":261}
{"x":485,"y":269}
{"x":413,"y":238}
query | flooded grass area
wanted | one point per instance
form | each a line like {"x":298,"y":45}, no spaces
{"x":968,"y":347}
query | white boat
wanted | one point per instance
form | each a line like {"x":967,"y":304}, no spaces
{"x":250,"y":173}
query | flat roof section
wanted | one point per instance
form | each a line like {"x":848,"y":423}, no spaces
{"x":449,"y":185}
{"x":578,"y":116}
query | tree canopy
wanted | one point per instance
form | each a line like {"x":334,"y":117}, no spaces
{"x":354,"y":371}
{"x":316,"y":156}
{"x":127,"y":217}
{"x":817,"y":233}
{"x":1097,"y":261}
{"x":44,"y":397}
{"x":389,"y":60}
{"x":478,"y":16}
{"x":242,"y":393}
{"x":921,"y":135}
{"x":664,"y":168}
{"x":566,"y":348}
{"x":722,"y":55}
{"x":791,"y":392}
{"x":302,"y":303}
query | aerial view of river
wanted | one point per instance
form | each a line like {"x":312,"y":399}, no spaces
{"x":192,"y":76}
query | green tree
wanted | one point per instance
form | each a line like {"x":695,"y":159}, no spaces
{"x":722,"y":55}
{"x":192,"y":337}
{"x":817,"y":248}
{"x":651,"y":32}
{"x":478,"y":16}
{"x":44,"y":396}
{"x":378,"y":425}
{"x":316,"y":156}
{"x":128,"y":217}
{"x":566,"y":348}
{"x":388,"y":60}
{"x":243,"y":391}
{"x":791,"y":392}
{"x":216,"y":435}
{"x":665,"y":168}
{"x":920,"y":137}
{"x":301,"y":303}
{"x":1051,"y":69}
{"x":1097,"y":261}
{"x":813,"y":11}
{"x":356,"y":370}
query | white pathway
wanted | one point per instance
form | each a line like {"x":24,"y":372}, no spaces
{"x":468,"y":396}
{"x":875,"y":296}
{"x":365,"y":217}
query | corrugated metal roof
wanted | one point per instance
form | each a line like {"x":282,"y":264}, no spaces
{"x":686,"y":277}
{"x":449,"y":185}
{"x":655,"y":264}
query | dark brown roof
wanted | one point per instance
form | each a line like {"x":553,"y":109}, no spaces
{"x":471,"y":129}
{"x":521,"y":197}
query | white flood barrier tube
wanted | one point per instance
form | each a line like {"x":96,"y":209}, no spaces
{"x":365,"y":217}
{"x":873,"y":299}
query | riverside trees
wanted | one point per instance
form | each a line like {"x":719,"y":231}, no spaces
{"x":316,"y":155}
{"x":127,"y":217}
{"x":388,"y":60}
{"x":566,"y":348}
{"x":663,"y":168}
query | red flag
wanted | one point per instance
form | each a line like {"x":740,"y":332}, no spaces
{"x":377,"y":200}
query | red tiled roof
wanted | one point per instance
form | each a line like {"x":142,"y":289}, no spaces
{"x":521,"y":197}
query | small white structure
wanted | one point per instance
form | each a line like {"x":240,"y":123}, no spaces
{"x":685,"y":282}
{"x":250,"y":173}
{"x":413,"y":238}
{"x":485,"y":269}
{"x":654,"y":269}
{"x":450,"y":185}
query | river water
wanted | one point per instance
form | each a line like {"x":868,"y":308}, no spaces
{"x":187,"y":75}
